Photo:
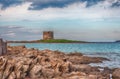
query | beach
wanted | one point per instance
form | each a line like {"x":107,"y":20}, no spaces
{"x":30,"y":63}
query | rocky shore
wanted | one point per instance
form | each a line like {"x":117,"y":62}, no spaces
{"x":23,"y":63}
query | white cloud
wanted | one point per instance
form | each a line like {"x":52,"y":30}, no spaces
{"x":11,"y":34}
{"x":15,"y":12}
{"x":74,"y":11}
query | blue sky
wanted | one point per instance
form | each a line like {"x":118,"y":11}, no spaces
{"x":89,"y":20}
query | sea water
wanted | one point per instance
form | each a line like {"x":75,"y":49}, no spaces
{"x":107,"y":50}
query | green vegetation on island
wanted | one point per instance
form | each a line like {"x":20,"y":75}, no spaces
{"x":60,"y":41}
{"x":49,"y":41}
{"x":48,"y":37}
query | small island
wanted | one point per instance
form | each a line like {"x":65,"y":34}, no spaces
{"x":49,"y":41}
{"x":48,"y":37}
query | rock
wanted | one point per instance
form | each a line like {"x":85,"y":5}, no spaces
{"x":23,"y":63}
{"x":85,"y":59}
{"x":75,"y":54}
{"x":64,"y":68}
{"x":76,"y":75}
{"x":36,"y":71}
{"x":116,"y":74}
{"x":92,"y":77}
{"x":18,"y":72}
{"x":84,"y":68}
{"x":99,"y":75}
{"x":61,"y":67}
{"x":9,"y":69}
{"x":48,"y":73}
{"x":1,"y":74}
{"x":3,"y":66}
{"x":30,"y":54}
{"x":25,"y":71}
{"x":20,"y":47}
{"x":12,"y":76}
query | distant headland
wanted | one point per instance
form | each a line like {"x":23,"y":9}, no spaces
{"x":117,"y":41}
{"x":48,"y":37}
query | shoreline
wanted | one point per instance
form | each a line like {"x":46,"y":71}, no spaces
{"x":47,"y":64}
{"x":59,"y":43}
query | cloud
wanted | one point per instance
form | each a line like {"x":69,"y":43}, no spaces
{"x":101,"y":10}
{"x":42,"y":4}
{"x":12,"y":27}
{"x":15,"y":12}
{"x":11,"y":34}
{"x":58,"y":8}
{"x":38,"y":5}
{"x":116,"y":3}
{"x":8,"y":3}
{"x":19,"y":33}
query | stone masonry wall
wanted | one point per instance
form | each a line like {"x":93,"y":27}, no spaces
{"x":3,"y":47}
{"x":48,"y":35}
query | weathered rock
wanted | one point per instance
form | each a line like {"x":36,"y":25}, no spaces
{"x":84,"y":68}
{"x":92,"y":77}
{"x":116,"y":74}
{"x":36,"y":71}
{"x":63,"y":67}
{"x":12,"y":76}
{"x":25,"y":71}
{"x":9,"y":69}
{"x":76,"y":75}
{"x":75,"y":54}
{"x":85,"y":59}
{"x":49,"y":73}
{"x":18,"y":72}
{"x":23,"y":63}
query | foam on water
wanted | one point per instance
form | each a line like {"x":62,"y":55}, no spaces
{"x":113,"y":57}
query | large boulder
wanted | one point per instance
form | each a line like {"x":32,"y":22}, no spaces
{"x":76,"y":75}
{"x":84,"y":68}
{"x":9,"y":69}
{"x":12,"y":76}
{"x":48,"y":73}
{"x":36,"y":71}
{"x":116,"y":74}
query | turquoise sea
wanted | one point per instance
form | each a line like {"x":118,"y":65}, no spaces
{"x":108,"y":50}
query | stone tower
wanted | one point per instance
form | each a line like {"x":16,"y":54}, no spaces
{"x":3,"y":47}
{"x":47,"y":35}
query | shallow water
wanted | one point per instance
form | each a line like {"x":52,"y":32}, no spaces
{"x":108,"y":50}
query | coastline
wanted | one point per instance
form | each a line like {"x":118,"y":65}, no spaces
{"x":49,"y":41}
{"x":47,"y":64}
{"x":45,"y":43}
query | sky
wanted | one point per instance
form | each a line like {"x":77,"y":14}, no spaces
{"x":87,"y":20}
